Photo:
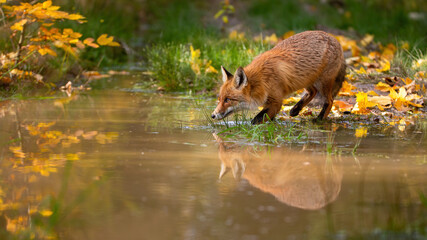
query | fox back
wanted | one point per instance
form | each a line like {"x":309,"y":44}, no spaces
{"x":312,"y":60}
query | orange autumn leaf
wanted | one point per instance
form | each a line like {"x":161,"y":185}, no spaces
{"x":343,"y":106}
{"x":89,"y":42}
{"x":346,"y":89}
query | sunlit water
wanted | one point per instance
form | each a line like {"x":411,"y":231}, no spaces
{"x":117,"y":164}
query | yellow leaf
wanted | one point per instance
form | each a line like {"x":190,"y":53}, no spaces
{"x":367,"y":39}
{"x":104,"y":40}
{"x":362,"y":104}
{"x":47,"y":4}
{"x":381,"y":101}
{"x":75,"y":17}
{"x":383,"y":87}
{"x":45,"y":213}
{"x":385,"y":66}
{"x":361,"y":71}
{"x":272,"y":39}
{"x":288,"y":34}
{"x":211,"y":69}
{"x":2,"y":1}
{"x":361,"y":132}
{"x":346,"y":89}
{"x":72,"y":156}
{"x":372,"y":93}
{"x":44,"y":51}
{"x":89,"y":42}
{"x":236,"y":35}
{"x":225,"y":19}
{"x":19,"y":26}
{"x":290,"y":100}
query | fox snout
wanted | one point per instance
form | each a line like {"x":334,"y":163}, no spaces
{"x":218,"y":115}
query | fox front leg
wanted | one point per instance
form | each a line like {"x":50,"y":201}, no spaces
{"x":269,"y":111}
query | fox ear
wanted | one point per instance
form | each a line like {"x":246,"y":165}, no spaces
{"x":240,"y":79}
{"x":225,"y":74}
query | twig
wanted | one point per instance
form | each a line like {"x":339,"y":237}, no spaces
{"x":20,"y":43}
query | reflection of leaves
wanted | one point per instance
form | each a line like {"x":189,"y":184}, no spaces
{"x":361,"y":132}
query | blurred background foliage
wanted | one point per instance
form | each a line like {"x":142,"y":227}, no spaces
{"x":151,"y":32}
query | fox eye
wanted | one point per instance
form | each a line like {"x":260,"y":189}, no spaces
{"x":226,"y":100}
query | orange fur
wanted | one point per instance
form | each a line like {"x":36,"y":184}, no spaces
{"x":312,"y":60}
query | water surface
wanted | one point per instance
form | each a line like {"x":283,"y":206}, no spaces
{"x":119,"y":164}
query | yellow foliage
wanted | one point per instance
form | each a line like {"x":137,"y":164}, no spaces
{"x":44,"y":38}
{"x":198,"y":64}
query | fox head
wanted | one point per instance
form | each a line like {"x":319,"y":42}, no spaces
{"x":233,"y":95}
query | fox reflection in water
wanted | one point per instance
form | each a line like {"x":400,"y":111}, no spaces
{"x":299,"y":179}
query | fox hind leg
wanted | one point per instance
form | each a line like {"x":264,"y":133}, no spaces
{"x":311,"y":93}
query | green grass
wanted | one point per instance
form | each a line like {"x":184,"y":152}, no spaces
{"x":271,"y":132}
{"x":170,"y":63}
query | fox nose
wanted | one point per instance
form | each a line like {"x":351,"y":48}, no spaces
{"x":213,"y":116}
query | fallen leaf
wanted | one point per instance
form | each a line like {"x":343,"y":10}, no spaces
{"x":343,"y":106}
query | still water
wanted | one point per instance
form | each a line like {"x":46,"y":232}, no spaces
{"x":119,"y":164}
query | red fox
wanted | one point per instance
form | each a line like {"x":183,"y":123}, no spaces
{"x":312,"y":60}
